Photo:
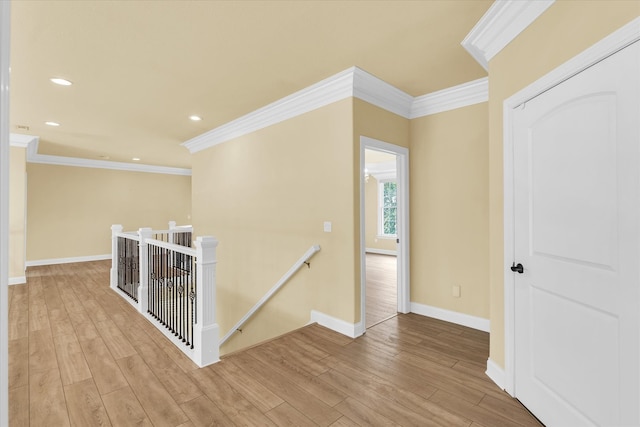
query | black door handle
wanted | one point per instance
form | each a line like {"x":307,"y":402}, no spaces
{"x":517,"y":268}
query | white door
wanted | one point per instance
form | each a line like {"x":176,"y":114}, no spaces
{"x":577,"y":234}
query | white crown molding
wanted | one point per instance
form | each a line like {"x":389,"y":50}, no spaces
{"x":352,"y":82}
{"x":373,"y":90}
{"x":502,"y":23}
{"x":459,"y":96}
{"x":325,"y":92}
{"x":46,"y":159}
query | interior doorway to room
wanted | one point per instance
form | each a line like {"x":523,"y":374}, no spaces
{"x":381,"y":237}
{"x":384,"y":231}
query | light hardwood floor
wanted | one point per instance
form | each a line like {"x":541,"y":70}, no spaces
{"x":80,"y":355}
{"x":382,"y":288}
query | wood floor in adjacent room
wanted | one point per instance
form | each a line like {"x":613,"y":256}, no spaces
{"x":382,"y":288}
{"x":80,"y":355}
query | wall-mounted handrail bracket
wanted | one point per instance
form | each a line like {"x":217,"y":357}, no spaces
{"x":308,"y":264}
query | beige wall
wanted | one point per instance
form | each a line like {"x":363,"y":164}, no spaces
{"x":265,"y":196}
{"x":376,"y":123}
{"x":449,"y":210}
{"x":70,"y":210}
{"x":372,"y":241}
{"x":563,"y":31}
{"x":17,"y":194}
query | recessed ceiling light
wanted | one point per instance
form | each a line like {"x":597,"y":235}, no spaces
{"x":61,"y":82}
{"x":195,"y":118}
{"x":136,"y":159}
{"x":52,"y":123}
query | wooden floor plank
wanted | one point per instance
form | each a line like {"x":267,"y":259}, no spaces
{"x":159,"y":405}
{"x":290,"y":391}
{"x":42,"y":353}
{"x":177,"y":383}
{"x":293,"y":370}
{"x":234,"y":405}
{"x":475,"y":412}
{"x":408,"y":370}
{"x":115,"y":340}
{"x":18,"y":312}
{"x":382,"y":404}
{"x":287,"y":415}
{"x":363,"y":415}
{"x":60,"y":322}
{"x":203,"y":413}
{"x":72,"y":364}
{"x":19,"y":406}
{"x":344,"y":421}
{"x":124,"y":410}
{"x":104,"y":369}
{"x":19,"y":362}
{"x":85,"y":405}
{"x":47,"y":405}
{"x":256,"y":393}
{"x":382,"y":288}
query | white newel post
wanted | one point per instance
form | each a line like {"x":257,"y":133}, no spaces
{"x":143,"y":259}
{"x":206,"y":331}
{"x":115,"y":229}
{"x":172,"y":226}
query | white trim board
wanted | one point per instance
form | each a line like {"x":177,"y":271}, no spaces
{"x":5,"y":46}
{"x":464,"y":95}
{"x":619,"y":39}
{"x":21,"y":141}
{"x":495,"y":373}
{"x":352,"y":82}
{"x":404,"y":233}
{"x":31,"y":143}
{"x":462,"y":319}
{"x":502,"y":23}
{"x":18,"y":280}
{"x":352,"y":330}
{"x":381,"y":251}
{"x":53,"y":261}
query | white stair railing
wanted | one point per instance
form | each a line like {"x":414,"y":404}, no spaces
{"x":172,"y":285}
{"x":303,"y":260}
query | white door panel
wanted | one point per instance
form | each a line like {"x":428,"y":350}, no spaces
{"x":577,"y":213}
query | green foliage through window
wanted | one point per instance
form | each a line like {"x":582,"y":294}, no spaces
{"x":389,"y":208}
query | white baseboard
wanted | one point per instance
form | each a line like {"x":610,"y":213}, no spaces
{"x":352,"y":330}
{"x":67,"y":260}
{"x":381,"y":251}
{"x":496,"y":373}
{"x":19,"y":280}
{"x":451,"y":316}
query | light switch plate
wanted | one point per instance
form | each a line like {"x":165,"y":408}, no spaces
{"x":327,"y":226}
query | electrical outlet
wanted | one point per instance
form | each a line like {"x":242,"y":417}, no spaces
{"x":456,"y":291}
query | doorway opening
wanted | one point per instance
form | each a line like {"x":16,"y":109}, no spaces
{"x":384,"y":231}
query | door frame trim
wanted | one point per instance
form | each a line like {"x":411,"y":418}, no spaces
{"x":616,"y":41}
{"x":402,"y":178}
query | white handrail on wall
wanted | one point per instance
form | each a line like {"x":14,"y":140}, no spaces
{"x":312,"y":250}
